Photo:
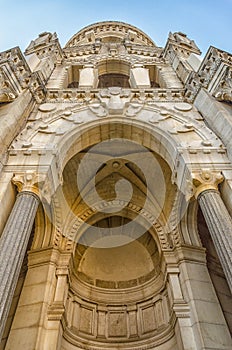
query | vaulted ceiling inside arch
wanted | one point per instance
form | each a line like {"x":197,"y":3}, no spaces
{"x":115,"y":248}
{"x":146,"y":185}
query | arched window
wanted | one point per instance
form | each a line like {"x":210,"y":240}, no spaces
{"x":113,"y":72}
{"x":113,"y":79}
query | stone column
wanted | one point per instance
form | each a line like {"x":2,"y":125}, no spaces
{"x":14,"y":240}
{"x":217,"y":218}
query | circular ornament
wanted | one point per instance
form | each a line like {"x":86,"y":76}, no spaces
{"x":183,"y":106}
{"x":47,"y":107}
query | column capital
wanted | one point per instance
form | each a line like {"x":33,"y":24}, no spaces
{"x":205,"y":180}
{"x":29,"y":181}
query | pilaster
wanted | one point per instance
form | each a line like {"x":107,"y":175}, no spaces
{"x":181,"y":310}
{"x":206,"y":320}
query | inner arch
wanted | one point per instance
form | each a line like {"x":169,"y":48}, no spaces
{"x":120,"y":266}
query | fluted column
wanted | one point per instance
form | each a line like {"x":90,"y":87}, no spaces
{"x":217,"y":218}
{"x":14,"y":240}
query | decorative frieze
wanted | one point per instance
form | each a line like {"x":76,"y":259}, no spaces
{"x":148,"y":95}
{"x":135,"y":320}
{"x":119,"y":51}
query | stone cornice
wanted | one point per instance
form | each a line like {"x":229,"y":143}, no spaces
{"x":113,"y":50}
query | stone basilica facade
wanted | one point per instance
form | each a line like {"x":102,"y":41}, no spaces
{"x":116,"y":193}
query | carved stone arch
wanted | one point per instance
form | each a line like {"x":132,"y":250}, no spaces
{"x":188,"y":225}
{"x":150,"y":136}
{"x":43,"y":229}
{"x":55,"y":219}
{"x":153,"y":138}
{"x":47,"y":228}
{"x":90,"y":218}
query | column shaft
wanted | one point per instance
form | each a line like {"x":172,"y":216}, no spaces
{"x":219,"y":224}
{"x":13,"y":245}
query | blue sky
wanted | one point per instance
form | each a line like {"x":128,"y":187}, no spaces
{"x":207,"y":22}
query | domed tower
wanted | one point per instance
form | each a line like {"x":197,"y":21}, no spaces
{"x":116,"y":181}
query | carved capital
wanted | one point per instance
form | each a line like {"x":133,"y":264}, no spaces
{"x":29,"y":181}
{"x":206,"y":180}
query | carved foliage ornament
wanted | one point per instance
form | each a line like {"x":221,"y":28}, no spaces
{"x":192,"y":87}
{"x":37,"y":87}
{"x":7,"y":93}
{"x":29,"y":181}
{"x":114,"y":99}
{"x":224,"y":88}
{"x":205,"y":180}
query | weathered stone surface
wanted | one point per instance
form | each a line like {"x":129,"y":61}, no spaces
{"x":120,"y":257}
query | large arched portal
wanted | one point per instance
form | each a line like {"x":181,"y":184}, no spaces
{"x":119,"y":293}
